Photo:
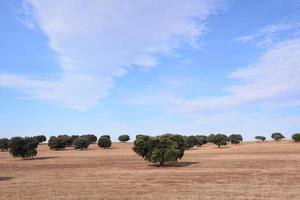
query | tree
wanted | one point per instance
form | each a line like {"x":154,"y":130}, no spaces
{"x":65,"y":139}
{"x":220,"y":140}
{"x":81,"y":143}
{"x":124,"y":138}
{"x":260,"y":138}
{"x":165,"y":150}
{"x":201,"y":140}
{"x":179,"y":141}
{"x":74,"y":137}
{"x":104,"y":141}
{"x":277,"y":136}
{"x":235,"y":138}
{"x":296,"y":137}
{"x":139,"y":135}
{"x":210,"y":138}
{"x":57,"y":143}
{"x":160,"y":149}
{"x":4,"y":144}
{"x":40,"y":138}
{"x":90,"y":137}
{"x":190,"y":141}
{"x":108,"y":136}
{"x":23,"y":147}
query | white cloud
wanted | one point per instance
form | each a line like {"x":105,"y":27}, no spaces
{"x":269,"y":35}
{"x":73,"y":90}
{"x":272,"y":82}
{"x":97,"y":41}
{"x":274,"y":78}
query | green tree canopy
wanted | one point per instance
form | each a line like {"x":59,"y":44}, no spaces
{"x":4,"y":144}
{"x":104,"y":141}
{"x":179,"y":141}
{"x":201,"y":140}
{"x":40,"y":138}
{"x":235,"y":138}
{"x":190,"y":141}
{"x":296,"y":137}
{"x":65,"y":139}
{"x":160,"y":149}
{"x":23,"y":147}
{"x":277,"y":136}
{"x":74,"y":137}
{"x":210,"y":138}
{"x":260,"y":138}
{"x":92,"y":138}
{"x":57,"y":143}
{"x":124,"y":138}
{"x":81,"y":143}
{"x":220,"y":140}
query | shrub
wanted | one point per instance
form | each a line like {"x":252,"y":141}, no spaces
{"x":235,"y":138}
{"x":4,"y":144}
{"x":90,"y":137}
{"x":260,"y":138}
{"x":296,"y":137}
{"x":57,"y":143}
{"x":40,"y":138}
{"x":277,"y":136}
{"x":124,"y":138}
{"x":210,"y":138}
{"x":160,"y":149}
{"x":220,"y":140}
{"x":104,"y":141}
{"x":23,"y":147}
{"x":81,"y":143}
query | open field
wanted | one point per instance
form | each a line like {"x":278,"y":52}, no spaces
{"x":251,"y":170}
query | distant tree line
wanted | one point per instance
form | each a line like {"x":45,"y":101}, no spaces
{"x":167,"y":148}
{"x":78,"y":142}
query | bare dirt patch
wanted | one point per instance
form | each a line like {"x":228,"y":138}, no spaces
{"x":251,"y":170}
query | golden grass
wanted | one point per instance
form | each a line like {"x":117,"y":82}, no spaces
{"x":268,"y":171}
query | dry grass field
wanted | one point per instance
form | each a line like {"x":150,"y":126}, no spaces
{"x":251,"y":170}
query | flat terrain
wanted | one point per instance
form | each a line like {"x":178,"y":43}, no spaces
{"x":251,"y":170}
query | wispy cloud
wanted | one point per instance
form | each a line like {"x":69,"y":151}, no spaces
{"x":275,"y":77}
{"x":98,"y":41}
{"x":269,"y":35}
{"x":273,"y":81}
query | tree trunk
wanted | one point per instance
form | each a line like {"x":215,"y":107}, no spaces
{"x":161,"y":163}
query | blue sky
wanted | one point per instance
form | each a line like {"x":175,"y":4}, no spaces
{"x":115,"y":67}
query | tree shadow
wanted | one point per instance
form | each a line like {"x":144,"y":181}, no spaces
{"x":5,"y":178}
{"x":107,"y":148}
{"x":113,"y":148}
{"x":191,"y":149}
{"x":177,"y":164}
{"x":223,"y":147}
{"x":42,"y":158}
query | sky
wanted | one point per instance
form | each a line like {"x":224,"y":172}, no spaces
{"x":149,"y":67}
